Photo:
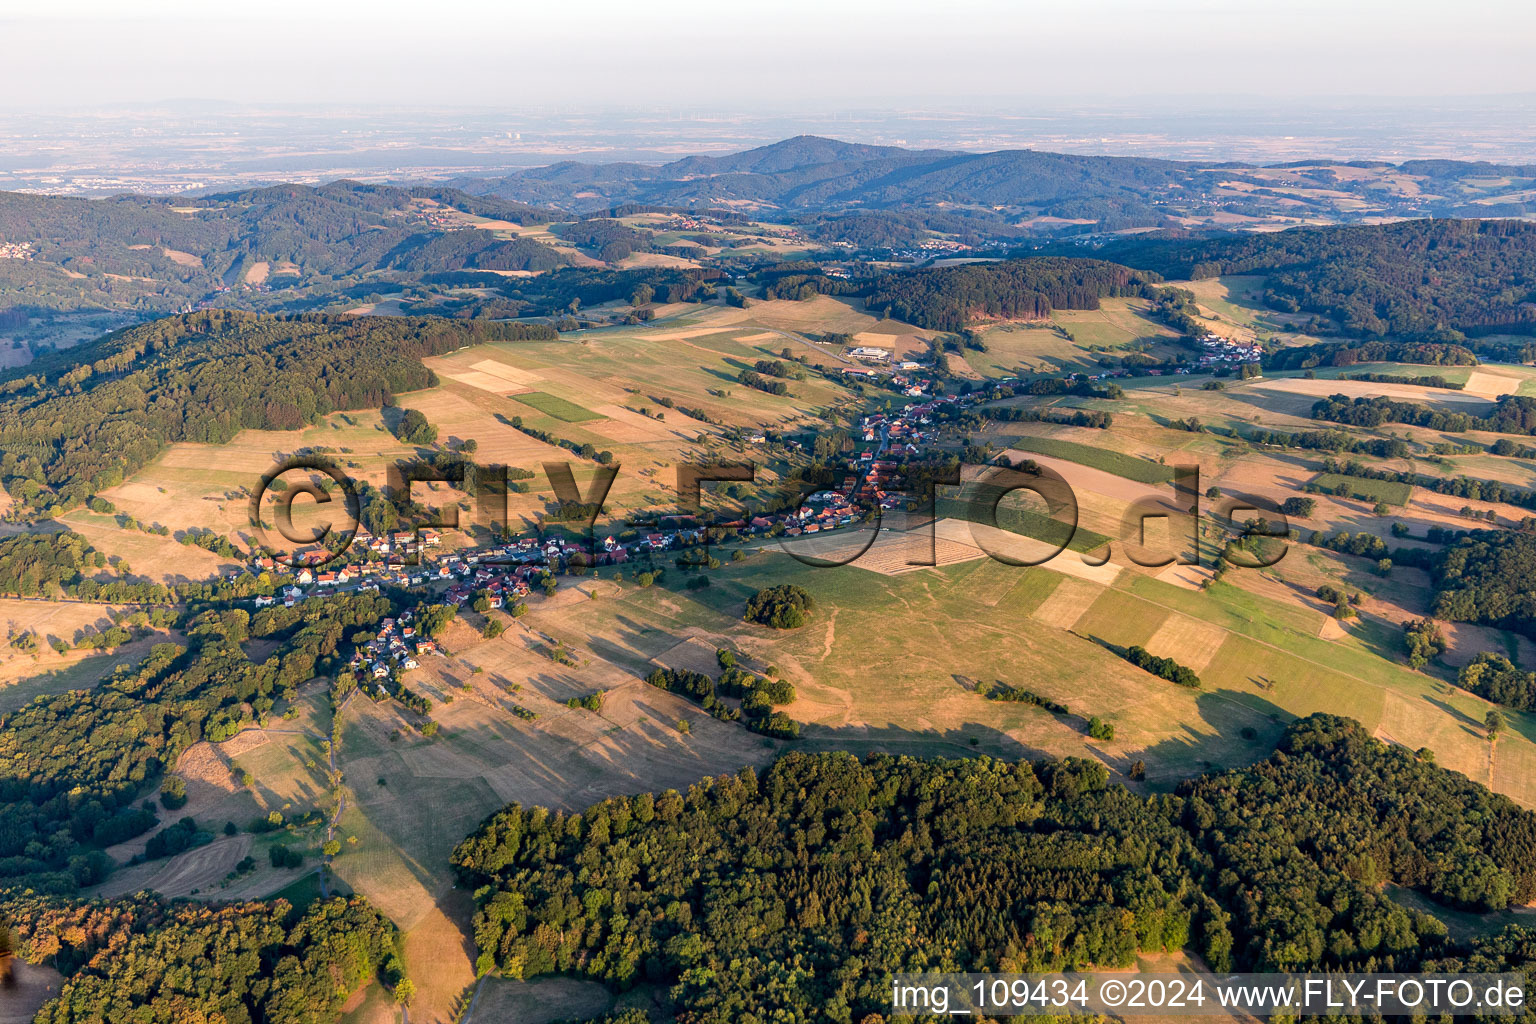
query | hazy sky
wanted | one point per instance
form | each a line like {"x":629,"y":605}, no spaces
{"x":792,"y":55}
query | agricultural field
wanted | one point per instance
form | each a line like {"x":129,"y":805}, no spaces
{"x":620,"y":390}
{"x":1108,"y":461}
{"x":901,"y":650}
{"x":1116,"y":325}
{"x":1389,"y":491}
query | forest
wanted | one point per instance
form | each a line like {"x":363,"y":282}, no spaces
{"x":792,"y":894}
{"x":948,"y":298}
{"x":148,"y":960}
{"x":80,"y":421}
{"x":1489,"y":577}
{"x":1415,"y":278}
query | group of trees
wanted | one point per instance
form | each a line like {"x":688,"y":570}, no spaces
{"x":606,"y":239}
{"x":1419,"y":381}
{"x":1425,"y":641}
{"x":1495,"y":678}
{"x":1488,"y":577}
{"x":1455,"y":486}
{"x":144,"y":959}
{"x":798,"y":892}
{"x":1387,"y":350}
{"x":758,"y":696}
{"x":1511,"y":414}
{"x":45,"y":564}
{"x":413,"y":428}
{"x":1328,"y":440}
{"x":1163,"y":668}
{"x":787,"y":606}
{"x":771,"y":385}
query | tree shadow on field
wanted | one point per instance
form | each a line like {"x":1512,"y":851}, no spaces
{"x":1466,"y":721}
{"x":971,"y":739}
{"x":1240,"y":729}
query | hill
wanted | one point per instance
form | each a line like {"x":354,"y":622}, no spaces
{"x":1409,"y":278}
{"x":156,"y":254}
{"x":853,"y":870}
{"x":85,"y":420}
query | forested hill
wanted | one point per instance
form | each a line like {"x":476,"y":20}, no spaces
{"x":1411,"y":278}
{"x":850,"y":871}
{"x":83,"y":420}
{"x":158,"y":254}
{"x":947,"y":298}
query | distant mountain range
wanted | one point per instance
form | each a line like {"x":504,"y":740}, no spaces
{"x":809,"y":174}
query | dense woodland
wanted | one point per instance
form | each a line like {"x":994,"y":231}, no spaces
{"x":153,"y":962}
{"x":947,"y":298}
{"x":1411,"y":278}
{"x":1489,"y":577}
{"x":82,"y":421}
{"x":792,"y":895}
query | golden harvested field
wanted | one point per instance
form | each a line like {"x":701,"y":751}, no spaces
{"x":1491,"y":384}
{"x":1188,"y":641}
{"x":1323,"y":387}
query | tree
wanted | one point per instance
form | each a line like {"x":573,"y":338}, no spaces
{"x":413,"y":428}
{"x":331,"y":848}
{"x":1425,"y":641}
{"x":434,"y":619}
{"x":1493,"y":721}
{"x":173,"y":793}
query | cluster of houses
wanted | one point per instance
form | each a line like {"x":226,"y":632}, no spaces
{"x":1217,"y":351}
{"x":396,"y":644}
{"x":15,"y":250}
